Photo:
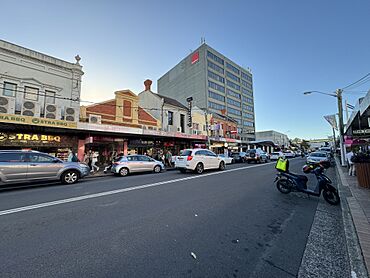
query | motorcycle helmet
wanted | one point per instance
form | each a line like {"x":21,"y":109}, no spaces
{"x":307,"y":169}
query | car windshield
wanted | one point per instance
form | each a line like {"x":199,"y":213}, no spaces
{"x":185,"y":153}
{"x":318,"y":155}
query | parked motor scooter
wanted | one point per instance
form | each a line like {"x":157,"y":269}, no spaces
{"x":287,"y":182}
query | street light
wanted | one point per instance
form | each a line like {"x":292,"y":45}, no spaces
{"x":338,"y":95}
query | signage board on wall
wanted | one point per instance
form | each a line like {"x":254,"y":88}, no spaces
{"x":28,"y":120}
{"x":33,"y":139}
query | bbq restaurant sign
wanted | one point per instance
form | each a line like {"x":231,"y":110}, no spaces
{"x":27,"y":120}
{"x":33,"y":140}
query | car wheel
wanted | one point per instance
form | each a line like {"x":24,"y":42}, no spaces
{"x":199,"y":168}
{"x":123,"y":172}
{"x":70,"y":177}
{"x":221,"y":167}
{"x":157,"y":169}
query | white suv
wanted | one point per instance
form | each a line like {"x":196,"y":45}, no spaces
{"x":199,"y":160}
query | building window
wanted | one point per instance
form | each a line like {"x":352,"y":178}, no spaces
{"x":170,"y":118}
{"x":247,"y":123}
{"x":234,"y":111}
{"x":50,"y":97}
{"x":239,"y":121}
{"x":216,"y":77}
{"x":195,"y":126}
{"x":233,"y":94}
{"x":216,"y":86}
{"x":9,"y":89}
{"x":247,"y":108}
{"x":233,"y":102}
{"x":232,"y":76}
{"x":231,"y":67}
{"x":215,"y":67}
{"x":249,"y":116}
{"x":232,"y":85}
{"x":244,"y":83}
{"x":215,"y":57}
{"x":247,"y":77}
{"x":216,"y":106}
{"x":31,"y":93}
{"x":216,"y":96}
{"x":247,"y":92}
{"x":127,"y":108}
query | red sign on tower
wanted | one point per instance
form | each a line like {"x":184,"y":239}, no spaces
{"x":195,"y":57}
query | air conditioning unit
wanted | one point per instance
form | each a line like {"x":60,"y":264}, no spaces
{"x":7,"y":105}
{"x":52,"y":111}
{"x":70,"y":114}
{"x":94,"y":119}
{"x":30,"y":108}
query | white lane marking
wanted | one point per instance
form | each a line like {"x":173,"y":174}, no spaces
{"x":112,"y":192}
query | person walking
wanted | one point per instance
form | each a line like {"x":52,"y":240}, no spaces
{"x":94,"y":159}
{"x":351,"y":170}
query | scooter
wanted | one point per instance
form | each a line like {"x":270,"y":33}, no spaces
{"x":287,"y":182}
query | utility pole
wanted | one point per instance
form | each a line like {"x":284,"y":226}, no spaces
{"x":207,"y":127}
{"x":341,"y":126}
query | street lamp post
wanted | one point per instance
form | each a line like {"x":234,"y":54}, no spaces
{"x":338,"y":95}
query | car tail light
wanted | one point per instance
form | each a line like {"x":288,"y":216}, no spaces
{"x":189,"y":158}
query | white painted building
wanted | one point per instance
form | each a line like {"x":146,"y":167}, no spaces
{"x":278,"y":138}
{"x":38,"y":85}
{"x":171,"y":113}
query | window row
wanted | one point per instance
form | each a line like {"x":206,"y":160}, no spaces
{"x":247,"y":108}
{"x":30,"y":93}
{"x":232,"y":85}
{"x":234,"y":111}
{"x":249,"y":116}
{"x":215,"y":67}
{"x":232,"y":76}
{"x":216,"y":106}
{"x":244,"y":83}
{"x":216,"y":86}
{"x":216,"y":96}
{"x":215,"y":57}
{"x":247,"y":77}
{"x":232,"y":93}
{"x":247,"y":123}
{"x":247,"y":92}
{"x":233,"y":102}
{"x":216,"y":76}
{"x":239,"y":121}
{"x":231,"y":67}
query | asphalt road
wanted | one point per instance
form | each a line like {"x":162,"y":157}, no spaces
{"x":220,"y":224}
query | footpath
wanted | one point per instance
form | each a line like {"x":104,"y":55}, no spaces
{"x":355,"y":204}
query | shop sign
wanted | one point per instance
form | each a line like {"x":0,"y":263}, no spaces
{"x":361,"y":131}
{"x":28,"y":120}
{"x":31,"y":139}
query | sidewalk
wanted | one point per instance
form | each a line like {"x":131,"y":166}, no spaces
{"x":355,"y":202}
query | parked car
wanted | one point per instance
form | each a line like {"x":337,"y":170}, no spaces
{"x":199,"y":160}
{"x":239,"y":156}
{"x":289,"y":154}
{"x":228,"y":159}
{"x":316,"y":157}
{"x":276,"y":155}
{"x":257,"y":156}
{"x":20,"y":166}
{"x":128,"y":164}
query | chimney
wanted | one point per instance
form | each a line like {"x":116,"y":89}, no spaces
{"x":147,"y":84}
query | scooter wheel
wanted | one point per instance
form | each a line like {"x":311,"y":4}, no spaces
{"x":331,"y":197}
{"x":284,"y":186}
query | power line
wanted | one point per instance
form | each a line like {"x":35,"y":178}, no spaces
{"x":364,"y":78}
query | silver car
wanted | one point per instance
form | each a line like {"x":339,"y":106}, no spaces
{"x":125,"y":165}
{"x":20,"y":166}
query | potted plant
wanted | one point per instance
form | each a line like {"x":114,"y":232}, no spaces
{"x":362,"y":166}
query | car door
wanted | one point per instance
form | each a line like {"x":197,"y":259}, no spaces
{"x":43,"y":166}
{"x":200,"y":156}
{"x":212,"y":159}
{"x":13,"y":166}
{"x":147,"y":163}
{"x":134,"y":164}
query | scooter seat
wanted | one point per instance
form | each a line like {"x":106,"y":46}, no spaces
{"x":301,"y":177}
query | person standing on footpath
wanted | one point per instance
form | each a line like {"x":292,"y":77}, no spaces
{"x":94,"y":159}
{"x":351,"y":170}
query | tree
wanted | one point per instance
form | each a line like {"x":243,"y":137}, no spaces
{"x":305,"y":145}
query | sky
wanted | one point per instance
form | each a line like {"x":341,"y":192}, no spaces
{"x":291,"y":46}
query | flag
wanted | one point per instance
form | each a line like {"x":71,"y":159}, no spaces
{"x":332,"y":121}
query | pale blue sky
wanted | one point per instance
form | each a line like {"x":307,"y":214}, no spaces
{"x":292,"y":46}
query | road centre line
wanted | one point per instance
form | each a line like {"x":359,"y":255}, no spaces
{"x":112,"y":192}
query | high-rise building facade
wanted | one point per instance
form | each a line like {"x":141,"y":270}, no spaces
{"x":216,"y":83}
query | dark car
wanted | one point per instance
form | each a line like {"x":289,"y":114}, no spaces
{"x":257,"y":156}
{"x":239,"y":156}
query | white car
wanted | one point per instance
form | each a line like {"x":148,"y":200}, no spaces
{"x":199,"y":160}
{"x":289,"y":154}
{"x":228,"y":159}
{"x":276,"y":155}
